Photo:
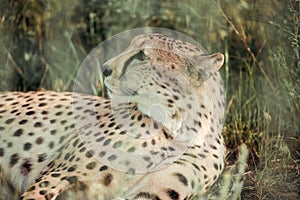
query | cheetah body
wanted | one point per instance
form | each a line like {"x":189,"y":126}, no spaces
{"x":51,"y":141}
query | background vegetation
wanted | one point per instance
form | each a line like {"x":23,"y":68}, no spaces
{"x":42,"y":44}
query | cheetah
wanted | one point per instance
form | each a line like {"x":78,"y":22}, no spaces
{"x":157,"y":137}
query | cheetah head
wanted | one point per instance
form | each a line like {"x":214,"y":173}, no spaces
{"x":163,"y":76}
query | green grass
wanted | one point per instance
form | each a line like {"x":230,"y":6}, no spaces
{"x":42,"y":44}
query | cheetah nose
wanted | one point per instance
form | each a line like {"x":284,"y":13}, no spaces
{"x":106,"y":70}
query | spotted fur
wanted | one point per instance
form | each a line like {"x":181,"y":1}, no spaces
{"x":51,"y":142}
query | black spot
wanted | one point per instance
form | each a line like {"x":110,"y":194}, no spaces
{"x":72,"y":168}
{"x":27,"y":146}
{"x":131,"y":149}
{"x":52,"y":121}
{"x":144,"y":144}
{"x":181,"y":178}
{"x":14,"y":159}
{"x":171,"y":148}
{"x":112,"y":158}
{"x":25,"y":105}
{"x":55,"y":175}
{"x":8,"y":121}
{"x":78,"y":107}
{"x":1,"y":152}
{"x":31,"y":188}
{"x":72,"y":158}
{"x":18,"y":132}
{"x":103,"y":168}
{"x":216,"y":156}
{"x":58,"y":113}
{"x":170,"y":101}
{"x":42,"y":104}
{"x":190,"y":155}
{"x":42,"y":192}
{"x":91,"y":165}
{"x":44,"y":112}
{"x":204,"y":168}
{"x":155,"y":125}
{"x":173,"y":194}
{"x":106,"y":142}
{"x":53,"y":132}
{"x":51,"y":164}
{"x":117,"y":144}
{"x":9,"y":144}
{"x":140,"y":117}
{"x":131,"y":171}
{"x":26,"y":167}
{"x":89,"y":153}
{"x":215,"y":177}
{"x":30,"y":112}
{"x":193,"y":184}
{"x":107,"y":179}
{"x":196,"y":122}
{"x":194,"y":165}
{"x":24,"y":121}
{"x":49,"y":196}
{"x":44,"y":184}
{"x":75,"y":142}
{"x":216,"y":166}
{"x":201,"y":155}
{"x":100,"y":139}
{"x":102,"y":153}
{"x":143,"y":195}
{"x":72,"y":179}
{"x":153,"y":142}
{"x":39,"y":140}
{"x":167,"y":135}
{"x":146,"y":158}
{"x":38,"y":124}
{"x":58,"y":106}
{"x":51,"y":145}
{"x":111,"y":124}
{"x":42,"y":157}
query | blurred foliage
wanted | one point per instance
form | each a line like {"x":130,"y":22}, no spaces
{"x":43,"y":42}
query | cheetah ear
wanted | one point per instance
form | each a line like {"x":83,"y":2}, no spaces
{"x":209,"y":64}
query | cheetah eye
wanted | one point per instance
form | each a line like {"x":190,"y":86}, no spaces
{"x":140,"y":55}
